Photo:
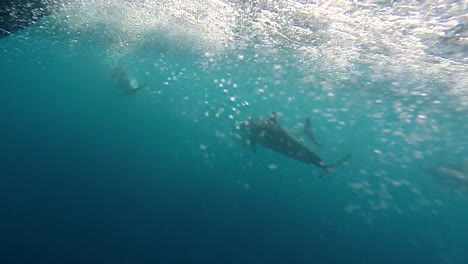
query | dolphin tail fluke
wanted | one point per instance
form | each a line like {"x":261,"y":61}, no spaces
{"x":335,"y":165}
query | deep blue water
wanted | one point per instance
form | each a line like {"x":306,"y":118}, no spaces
{"x":91,"y":177}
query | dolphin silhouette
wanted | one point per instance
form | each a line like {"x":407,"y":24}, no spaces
{"x":124,"y":83}
{"x":453,"y":175}
{"x":274,"y":137}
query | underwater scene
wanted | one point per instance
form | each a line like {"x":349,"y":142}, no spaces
{"x":234,"y":131}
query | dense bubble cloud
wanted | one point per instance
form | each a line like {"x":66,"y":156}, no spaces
{"x":402,"y":41}
{"x":127,"y":25}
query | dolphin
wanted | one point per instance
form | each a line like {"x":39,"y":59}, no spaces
{"x":452,"y":175}
{"x":271,"y":135}
{"x":125,"y":84}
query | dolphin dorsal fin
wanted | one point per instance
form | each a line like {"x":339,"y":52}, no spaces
{"x":272,"y":118}
{"x":308,"y":131}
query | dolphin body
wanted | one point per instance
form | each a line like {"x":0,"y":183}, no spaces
{"x":273,"y":136}
{"x":452,"y":175}
{"x":124,"y":83}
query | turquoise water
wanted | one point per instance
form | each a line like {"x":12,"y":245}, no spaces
{"x":161,"y":176}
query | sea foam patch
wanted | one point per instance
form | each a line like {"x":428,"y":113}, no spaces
{"x":127,"y":25}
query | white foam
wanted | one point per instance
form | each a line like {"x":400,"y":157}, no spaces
{"x":126,"y":25}
{"x":404,"y":42}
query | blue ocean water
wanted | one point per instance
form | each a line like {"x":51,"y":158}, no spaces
{"x":160,"y":176}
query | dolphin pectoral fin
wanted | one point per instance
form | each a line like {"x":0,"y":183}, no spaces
{"x":272,"y":118}
{"x":335,"y":165}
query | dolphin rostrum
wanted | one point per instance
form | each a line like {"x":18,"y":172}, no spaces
{"x":273,"y":136}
